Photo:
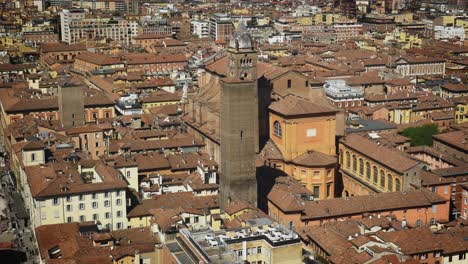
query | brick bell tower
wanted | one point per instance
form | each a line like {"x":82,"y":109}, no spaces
{"x":239,"y":121}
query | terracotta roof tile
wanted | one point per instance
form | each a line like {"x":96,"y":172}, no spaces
{"x":160,"y":96}
{"x":422,"y":240}
{"x":149,"y":58}
{"x":179,"y":200}
{"x":458,"y":139}
{"x":98,"y":59}
{"x":286,"y":194}
{"x":381,"y":202}
{"x":76,"y":248}
{"x":61,"y":47}
{"x":293,"y":105}
{"x":237,"y":206}
{"x":171,"y":110}
{"x":392,"y":158}
{"x":397,"y":96}
{"x":315,"y":159}
{"x":60,"y":179}
{"x":34,"y":145}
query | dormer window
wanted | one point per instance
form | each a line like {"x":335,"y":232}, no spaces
{"x":33,"y":156}
{"x":277,"y":129}
{"x":55,"y":252}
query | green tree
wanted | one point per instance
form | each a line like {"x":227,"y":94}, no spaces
{"x":422,"y":135}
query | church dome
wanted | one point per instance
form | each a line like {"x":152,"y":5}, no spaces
{"x":241,"y":39}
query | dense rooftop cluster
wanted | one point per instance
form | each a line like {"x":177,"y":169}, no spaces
{"x":257,"y":132}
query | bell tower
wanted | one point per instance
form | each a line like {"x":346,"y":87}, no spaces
{"x":242,"y":56}
{"x":239,"y":122}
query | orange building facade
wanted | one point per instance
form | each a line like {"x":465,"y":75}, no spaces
{"x":292,"y":207}
{"x":305,"y":141}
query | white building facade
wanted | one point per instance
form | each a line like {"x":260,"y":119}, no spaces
{"x":76,"y":28}
{"x":201,"y":28}
{"x":449,"y":33}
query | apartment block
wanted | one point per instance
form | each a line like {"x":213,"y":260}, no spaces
{"x":76,"y":27}
{"x":200,"y":28}
{"x":220,"y":27}
{"x":420,"y":65}
{"x":58,"y":193}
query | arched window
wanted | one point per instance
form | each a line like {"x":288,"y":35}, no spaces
{"x":382,"y":179}
{"x":348,"y":160}
{"x":397,"y":185}
{"x":390,"y":182}
{"x":375,"y":174}
{"x":361,"y":167}
{"x":278,"y":131}
{"x":354,"y":163}
{"x":368,"y":171}
{"x":341,"y":157}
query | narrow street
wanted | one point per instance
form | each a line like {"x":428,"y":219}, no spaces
{"x":15,"y":220}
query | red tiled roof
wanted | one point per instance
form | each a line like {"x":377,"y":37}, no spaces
{"x":98,"y":59}
{"x":148,"y":58}
{"x":315,"y":159}
{"x":381,"y":202}
{"x":62,"y":47}
{"x":457,"y":88}
{"x":151,"y":36}
{"x":160,"y":96}
{"x":293,"y":105}
{"x":391,"y":158}
{"x":458,"y":139}
{"x":59,"y":179}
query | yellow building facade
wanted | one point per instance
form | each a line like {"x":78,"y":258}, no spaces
{"x":260,"y":250}
{"x":300,"y":134}
{"x":400,"y":115}
{"x":326,"y":18}
{"x":367,"y":174}
{"x":404,"y":18}
{"x":306,"y":141}
{"x":9,"y":41}
{"x":148,"y":105}
{"x":406,"y":40}
{"x":371,"y":175}
{"x":320,"y":180}
{"x":240,"y":11}
{"x":139,"y":221}
{"x":108,"y":207}
{"x":462,"y":22}
{"x":306,"y":21}
{"x":461,"y":110}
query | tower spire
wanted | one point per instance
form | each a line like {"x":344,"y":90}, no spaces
{"x":242,"y":26}
{"x":242,"y":55}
